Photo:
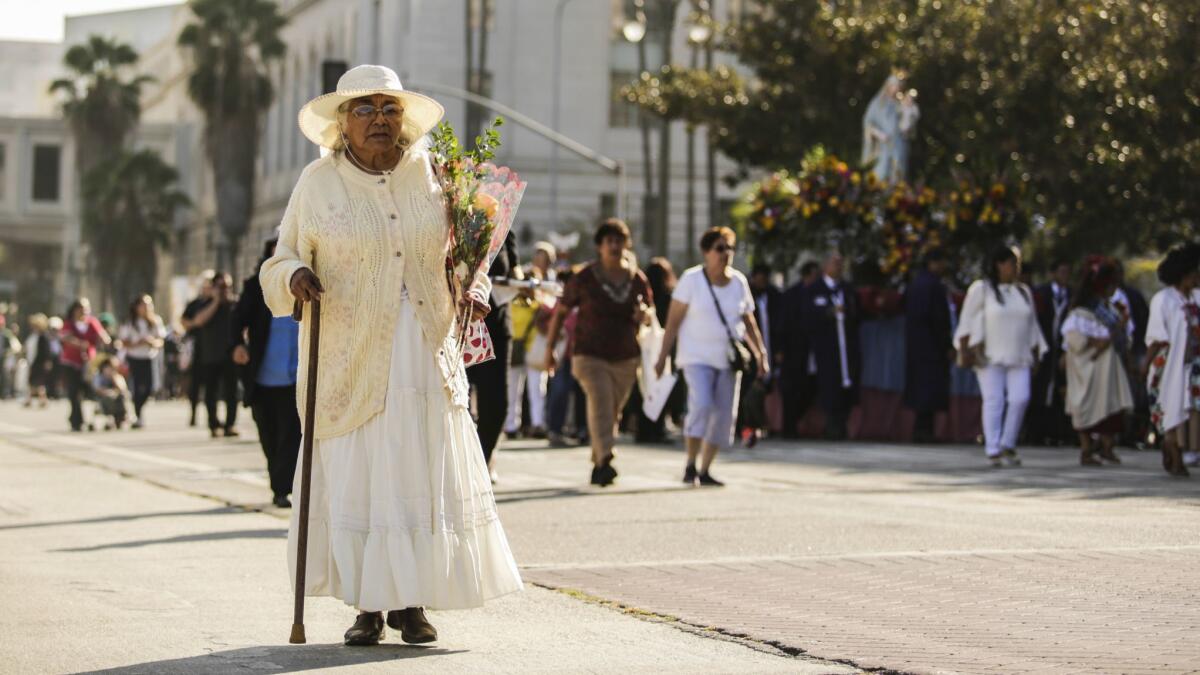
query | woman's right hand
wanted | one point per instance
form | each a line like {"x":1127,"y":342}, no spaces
{"x":661,"y":364}
{"x":305,"y":285}
{"x":551,"y":362}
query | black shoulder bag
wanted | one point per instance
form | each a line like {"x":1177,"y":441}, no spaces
{"x":740,"y":358}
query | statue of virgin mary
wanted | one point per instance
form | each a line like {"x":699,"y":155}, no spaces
{"x":888,"y":127}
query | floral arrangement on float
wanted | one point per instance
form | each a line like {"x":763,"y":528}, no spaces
{"x":884,"y":230}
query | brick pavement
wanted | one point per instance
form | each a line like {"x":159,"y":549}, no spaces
{"x":1035,"y":611}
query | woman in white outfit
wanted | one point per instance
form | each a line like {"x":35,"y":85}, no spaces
{"x":711,"y":306}
{"x":402,"y":512}
{"x":1173,"y":340}
{"x":1097,"y":355}
{"x":998,"y":335}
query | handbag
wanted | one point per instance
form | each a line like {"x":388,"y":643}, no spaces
{"x":741,"y":360}
{"x":518,"y":347}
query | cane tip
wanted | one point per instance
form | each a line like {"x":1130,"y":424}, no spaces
{"x":297,"y":637}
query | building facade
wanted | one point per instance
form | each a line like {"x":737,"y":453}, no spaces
{"x":424,"y":41}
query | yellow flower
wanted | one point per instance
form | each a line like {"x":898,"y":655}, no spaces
{"x":855,"y":178}
{"x":833,"y":201}
{"x":768,"y":223}
{"x":487,"y":204}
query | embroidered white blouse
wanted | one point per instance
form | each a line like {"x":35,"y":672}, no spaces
{"x":1008,"y":330}
{"x":370,"y":239}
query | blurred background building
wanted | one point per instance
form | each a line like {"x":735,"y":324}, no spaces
{"x":44,"y":262}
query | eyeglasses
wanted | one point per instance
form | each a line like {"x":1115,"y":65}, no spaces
{"x":366,"y":111}
{"x":723,"y":248}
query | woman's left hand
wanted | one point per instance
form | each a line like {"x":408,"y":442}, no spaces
{"x":763,"y":370}
{"x":477,"y":307}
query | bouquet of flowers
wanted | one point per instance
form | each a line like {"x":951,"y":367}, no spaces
{"x":481,"y":204}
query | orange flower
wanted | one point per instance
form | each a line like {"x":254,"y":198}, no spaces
{"x":487,"y":204}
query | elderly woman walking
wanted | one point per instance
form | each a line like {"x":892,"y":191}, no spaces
{"x":1173,"y":339}
{"x":613,"y":298}
{"x":712,"y":306}
{"x":1097,"y":351}
{"x":402,"y":514}
{"x":998,"y":336}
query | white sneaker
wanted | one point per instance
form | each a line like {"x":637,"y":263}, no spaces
{"x":1191,"y":458}
{"x":1011,"y":458}
{"x":995,"y":461}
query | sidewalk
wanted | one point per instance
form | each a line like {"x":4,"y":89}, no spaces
{"x":914,"y":559}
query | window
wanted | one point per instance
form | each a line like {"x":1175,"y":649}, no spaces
{"x":46,"y":161}
{"x":608,"y":205}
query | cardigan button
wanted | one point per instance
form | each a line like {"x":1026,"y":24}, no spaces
{"x":393,"y":216}
{"x":399,"y":253}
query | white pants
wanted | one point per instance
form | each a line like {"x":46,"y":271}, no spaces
{"x":1005,"y":392}
{"x":518,"y":376}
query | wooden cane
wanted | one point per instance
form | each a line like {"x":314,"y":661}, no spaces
{"x":310,"y":406}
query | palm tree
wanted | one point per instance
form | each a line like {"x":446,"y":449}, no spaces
{"x":132,"y":198}
{"x":101,"y":107}
{"x":231,"y":45}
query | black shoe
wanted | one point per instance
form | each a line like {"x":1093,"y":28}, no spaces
{"x":708,"y":481}
{"x":192,"y":423}
{"x":214,"y":432}
{"x":414,"y":628}
{"x":230,"y":432}
{"x":689,"y":475}
{"x":281,"y":501}
{"x":604,"y":475}
{"x":367,"y":630}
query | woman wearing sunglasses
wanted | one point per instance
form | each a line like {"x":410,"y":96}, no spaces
{"x":712,"y":307}
{"x":402,"y":513}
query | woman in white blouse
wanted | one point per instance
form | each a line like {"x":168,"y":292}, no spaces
{"x":1097,"y":353}
{"x":998,"y":335}
{"x":142,"y":337}
{"x":710,"y":307}
{"x":1174,"y":348}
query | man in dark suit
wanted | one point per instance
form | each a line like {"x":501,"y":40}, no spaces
{"x":798,"y":371}
{"x":830,"y":311}
{"x":770,"y":316}
{"x":928,"y":345}
{"x":1048,"y":422}
{"x":266,"y":351}
{"x":490,"y":379}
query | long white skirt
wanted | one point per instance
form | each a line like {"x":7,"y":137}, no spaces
{"x":402,"y":508}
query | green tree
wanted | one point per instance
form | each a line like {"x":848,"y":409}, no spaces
{"x":132,"y":198}
{"x":100,"y":102}
{"x":100,"y":98}
{"x":1091,"y":104}
{"x":231,"y":43}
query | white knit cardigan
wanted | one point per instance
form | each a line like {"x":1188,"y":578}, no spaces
{"x":367,"y":237}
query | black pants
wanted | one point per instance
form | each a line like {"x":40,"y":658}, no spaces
{"x":798,"y":390}
{"x":490,"y":381}
{"x":195,"y":384}
{"x":141,"y":372}
{"x":274,"y":411}
{"x":73,"y":378}
{"x":220,"y":382}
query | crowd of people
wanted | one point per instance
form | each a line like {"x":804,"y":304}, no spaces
{"x":1081,"y":359}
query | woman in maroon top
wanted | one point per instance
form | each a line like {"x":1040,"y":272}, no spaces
{"x":613,"y":298}
{"x":81,"y":335}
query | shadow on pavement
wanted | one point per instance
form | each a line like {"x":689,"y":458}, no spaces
{"x":535,"y":494}
{"x":281,"y":658}
{"x":280,"y":533}
{"x":224,"y":510}
{"x":947,"y":468}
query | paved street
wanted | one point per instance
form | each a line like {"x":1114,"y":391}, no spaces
{"x":155,"y":551}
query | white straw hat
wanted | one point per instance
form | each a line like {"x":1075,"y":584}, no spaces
{"x":318,"y":117}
